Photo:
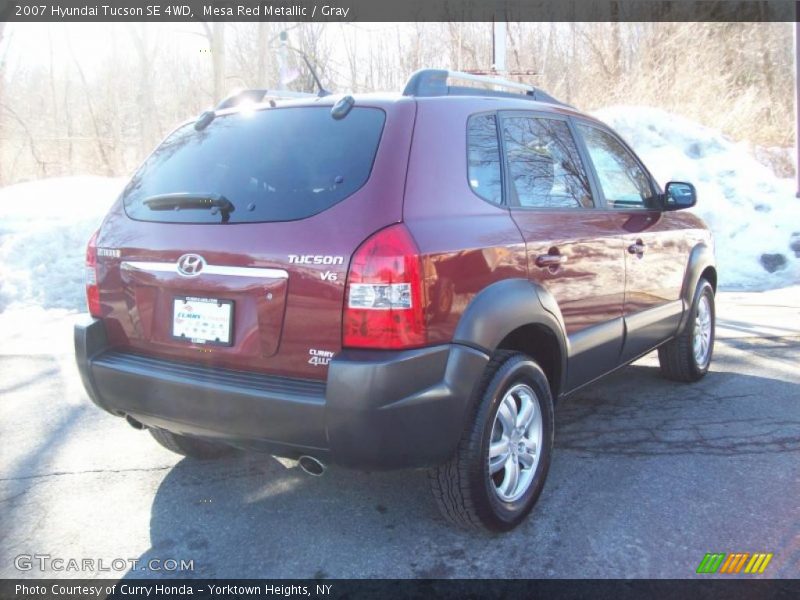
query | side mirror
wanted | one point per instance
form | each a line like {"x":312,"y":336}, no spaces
{"x":679,"y":195}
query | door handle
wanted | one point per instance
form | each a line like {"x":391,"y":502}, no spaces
{"x":551,"y":261}
{"x":637,"y":248}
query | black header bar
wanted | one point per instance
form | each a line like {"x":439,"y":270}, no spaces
{"x":740,"y":588}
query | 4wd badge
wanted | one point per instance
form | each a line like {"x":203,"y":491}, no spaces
{"x":319,"y":357}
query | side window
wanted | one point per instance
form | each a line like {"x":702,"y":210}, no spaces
{"x":544,"y":165}
{"x":484,"y":171}
{"x":624,"y":182}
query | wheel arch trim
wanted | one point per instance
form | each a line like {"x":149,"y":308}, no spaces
{"x":701,"y":258}
{"x":506,"y":306}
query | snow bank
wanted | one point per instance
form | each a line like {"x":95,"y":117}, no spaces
{"x":44,"y":227}
{"x":754,"y":215}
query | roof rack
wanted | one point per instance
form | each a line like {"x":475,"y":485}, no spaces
{"x":259,"y":95}
{"x":433,"y":82}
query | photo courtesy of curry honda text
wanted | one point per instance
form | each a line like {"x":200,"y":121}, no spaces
{"x":402,"y":280}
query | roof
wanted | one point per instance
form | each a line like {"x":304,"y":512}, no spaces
{"x":427,"y":85}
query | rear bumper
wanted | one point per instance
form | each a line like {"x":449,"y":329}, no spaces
{"x":377,"y":409}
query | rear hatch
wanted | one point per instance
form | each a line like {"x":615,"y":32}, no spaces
{"x":230,"y":245}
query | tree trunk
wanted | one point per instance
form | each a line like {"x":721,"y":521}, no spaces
{"x":616,"y":43}
{"x":767,"y":66}
{"x":263,"y":48}
{"x":87,"y":93}
{"x":218,"y":57}
{"x":148,"y":111}
{"x":216,"y":42}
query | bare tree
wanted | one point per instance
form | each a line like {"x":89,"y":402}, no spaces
{"x":63,"y":113}
{"x":40,"y":161}
{"x":215,"y":33}
{"x":148,"y":112}
{"x":3,"y":51}
{"x":2,"y":37}
{"x":89,"y":104}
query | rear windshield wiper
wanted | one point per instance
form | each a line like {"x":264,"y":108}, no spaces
{"x":217,"y":203}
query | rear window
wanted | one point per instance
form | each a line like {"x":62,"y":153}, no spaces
{"x":271,"y":165}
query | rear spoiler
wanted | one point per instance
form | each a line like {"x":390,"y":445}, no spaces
{"x":258,"y":95}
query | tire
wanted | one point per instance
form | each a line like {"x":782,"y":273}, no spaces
{"x":679,"y":358}
{"x":465,"y":491}
{"x":191,"y":447}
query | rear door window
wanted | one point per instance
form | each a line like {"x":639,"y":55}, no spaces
{"x":544,"y":166}
{"x":624,"y":182}
{"x":279,"y":164}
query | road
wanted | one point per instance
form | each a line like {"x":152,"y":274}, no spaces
{"x":647,"y":476}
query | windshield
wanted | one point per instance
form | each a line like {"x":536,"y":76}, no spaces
{"x":277,"y":164}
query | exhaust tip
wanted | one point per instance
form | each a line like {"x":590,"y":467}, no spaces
{"x":312,"y":466}
{"x":134,"y":423}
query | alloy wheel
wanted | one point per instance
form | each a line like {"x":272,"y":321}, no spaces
{"x":516,"y":442}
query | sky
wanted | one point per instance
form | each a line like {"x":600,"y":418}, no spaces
{"x":30,"y":43}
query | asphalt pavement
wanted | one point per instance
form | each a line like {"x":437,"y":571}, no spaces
{"x":647,"y":477}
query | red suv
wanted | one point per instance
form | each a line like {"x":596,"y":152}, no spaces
{"x":387,"y":281}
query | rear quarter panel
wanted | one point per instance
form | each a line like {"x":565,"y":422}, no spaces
{"x":467,"y":243}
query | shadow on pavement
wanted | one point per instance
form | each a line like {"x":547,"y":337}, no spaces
{"x":630,"y":439}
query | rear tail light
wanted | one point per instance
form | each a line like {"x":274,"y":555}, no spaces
{"x":384,"y":303}
{"x":92,"y":291}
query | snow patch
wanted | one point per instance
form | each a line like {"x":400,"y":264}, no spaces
{"x":45,"y":226}
{"x":754,"y":215}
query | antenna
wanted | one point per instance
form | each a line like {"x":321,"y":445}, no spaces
{"x":284,"y":38}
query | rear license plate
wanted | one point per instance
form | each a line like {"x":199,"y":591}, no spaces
{"x":202,"y":320}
